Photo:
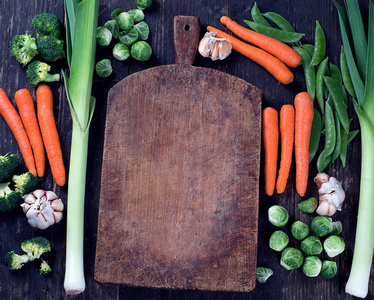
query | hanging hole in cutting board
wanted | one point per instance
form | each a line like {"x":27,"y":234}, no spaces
{"x":186,"y":27}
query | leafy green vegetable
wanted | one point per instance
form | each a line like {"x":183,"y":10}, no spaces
{"x":143,"y":30}
{"x":262,"y":274}
{"x":278,"y":215}
{"x":128,"y":37}
{"x":103,"y":36}
{"x":121,"y":52}
{"x":104,"y":68}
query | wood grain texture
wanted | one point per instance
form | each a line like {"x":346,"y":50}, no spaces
{"x":180,"y":209}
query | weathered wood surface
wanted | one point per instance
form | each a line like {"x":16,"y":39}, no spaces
{"x":28,"y":284}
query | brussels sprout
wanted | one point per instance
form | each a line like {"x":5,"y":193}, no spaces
{"x":141,"y":51}
{"x":291,"y":258}
{"x":137,"y":15}
{"x":278,"y":215}
{"x":143,"y":30}
{"x":312,"y":266}
{"x":125,"y":21}
{"x":278,"y":240}
{"x":334,"y":245}
{"x":299,"y":230}
{"x":104,"y":68}
{"x":115,"y":13}
{"x":128,"y":37}
{"x":337,"y":227}
{"x":262,"y":274}
{"x":143,"y":4}
{"x":311,"y":245}
{"x":309,"y":205}
{"x":112,"y":26}
{"x":121,"y":52}
{"x":329,"y":269}
{"x":103,"y":36}
{"x":321,"y":225}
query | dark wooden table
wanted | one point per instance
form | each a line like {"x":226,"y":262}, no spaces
{"x":28,"y":284}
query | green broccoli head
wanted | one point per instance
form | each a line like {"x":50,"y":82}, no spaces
{"x":8,"y":163}
{"x":24,"y":48}
{"x":35,"y":247}
{"x":15,"y":261}
{"x":45,"y":269}
{"x":25,"y":183}
{"x":38,"y":72}
{"x":50,"y":48}
{"x":47,"y":24}
{"x":8,"y":198}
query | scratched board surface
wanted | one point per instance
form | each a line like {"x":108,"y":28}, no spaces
{"x":28,"y":284}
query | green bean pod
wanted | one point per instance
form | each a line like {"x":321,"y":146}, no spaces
{"x":323,"y":161}
{"x":346,"y":77}
{"x":321,"y":71}
{"x":309,"y":72}
{"x":338,"y":100}
{"x":319,"y":45}
{"x":279,"y":20}
{"x":336,"y":152}
{"x":330,"y":133}
{"x":336,"y":74}
{"x":315,"y":135}
{"x":278,"y":34}
{"x":257,"y":16}
{"x":309,"y":48}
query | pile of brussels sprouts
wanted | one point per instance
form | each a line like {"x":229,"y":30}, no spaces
{"x":128,"y":31}
{"x":323,"y":234}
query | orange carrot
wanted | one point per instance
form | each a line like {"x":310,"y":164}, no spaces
{"x":272,"y":64}
{"x":287,"y":129}
{"x":304,"y":113}
{"x":49,"y":132}
{"x":270,"y":136}
{"x":26,"y":109}
{"x":14,"y":122}
{"x":277,"y":48}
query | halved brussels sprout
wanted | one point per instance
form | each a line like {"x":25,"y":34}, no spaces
{"x":112,"y":26}
{"x":115,"y":13}
{"x":312,"y":266}
{"x":278,"y":215}
{"x":137,"y":15}
{"x":321,"y":225}
{"x":291,"y":258}
{"x":143,"y":30}
{"x":278,"y":240}
{"x":329,"y":269}
{"x":125,"y":21}
{"x":311,"y":245}
{"x":141,"y":51}
{"x":334,"y":245}
{"x":262,"y":274}
{"x":299,"y":230}
{"x":309,"y":205}
{"x":104,"y":68}
{"x":103,"y":36}
{"x":128,"y":37}
{"x":143,"y":4}
{"x":121,"y":52}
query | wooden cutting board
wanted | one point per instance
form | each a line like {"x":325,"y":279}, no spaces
{"x":180,"y":177}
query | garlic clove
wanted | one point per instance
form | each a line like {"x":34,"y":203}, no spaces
{"x":215,"y":51}
{"x":205,"y":46}
{"x":224,"y":49}
{"x":325,"y":208}
{"x":57,"y":205}
{"x":321,"y":178}
{"x":51,"y":195}
{"x":58,"y":216}
{"x":41,"y":222}
{"x":29,"y":198}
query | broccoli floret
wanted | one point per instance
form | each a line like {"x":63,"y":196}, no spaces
{"x":24,"y":48}
{"x":38,"y":72}
{"x":50,"y":48}
{"x":47,"y":24}
{"x":8,"y":198}
{"x":35,"y":247}
{"x":15,"y":261}
{"x":45,"y":269}
{"x":8,"y":163}
{"x":25,"y":183}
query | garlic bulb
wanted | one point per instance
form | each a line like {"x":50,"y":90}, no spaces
{"x":42,"y":208}
{"x":213,"y":47}
{"x":331,"y":194}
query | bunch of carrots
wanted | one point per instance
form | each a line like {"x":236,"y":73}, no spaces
{"x":35,"y":132}
{"x":275,"y":56}
{"x":295,"y":125}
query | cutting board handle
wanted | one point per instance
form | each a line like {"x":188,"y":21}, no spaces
{"x":186,"y":39}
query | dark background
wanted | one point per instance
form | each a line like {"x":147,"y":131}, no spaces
{"x":28,"y":284}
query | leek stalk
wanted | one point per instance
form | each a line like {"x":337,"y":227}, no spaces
{"x":361,"y":69}
{"x":81,"y":23}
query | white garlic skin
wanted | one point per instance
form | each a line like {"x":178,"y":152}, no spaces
{"x":213,"y":47}
{"x":42,"y":208}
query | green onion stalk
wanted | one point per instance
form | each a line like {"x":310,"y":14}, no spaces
{"x":81,"y":22}
{"x":359,"y":52}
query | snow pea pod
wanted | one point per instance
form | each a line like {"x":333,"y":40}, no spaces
{"x":346,"y":77}
{"x":309,"y":48}
{"x":323,"y":161}
{"x":336,"y":74}
{"x":315,"y":135}
{"x":336,"y":152}
{"x":279,"y":20}
{"x":343,"y":147}
{"x":321,"y":71}
{"x":338,"y":100}
{"x":352,"y":134}
{"x":345,"y":96}
{"x":278,"y":34}
{"x":257,"y":16}
{"x":319,"y":45}
{"x":330,"y":133}
{"x":309,"y":71}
